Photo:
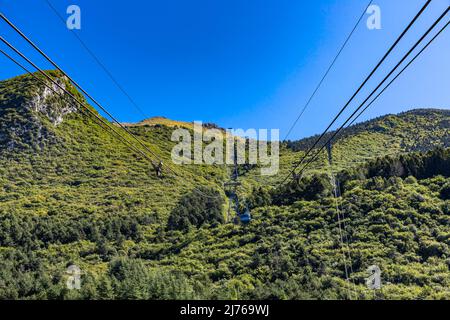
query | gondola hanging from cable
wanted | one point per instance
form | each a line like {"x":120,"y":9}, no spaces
{"x":245,"y":217}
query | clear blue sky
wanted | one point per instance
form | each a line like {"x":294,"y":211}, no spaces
{"x":238,"y":63}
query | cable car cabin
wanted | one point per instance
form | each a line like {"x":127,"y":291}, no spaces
{"x":245,"y":217}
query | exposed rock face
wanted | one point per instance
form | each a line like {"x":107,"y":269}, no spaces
{"x":30,"y":112}
{"x":54,"y":108}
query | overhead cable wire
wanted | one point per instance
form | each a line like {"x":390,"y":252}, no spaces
{"x":398,"y":75}
{"x":319,"y":85}
{"x":99,"y":62}
{"x":128,"y":143}
{"x":15,"y":28}
{"x":86,"y":111}
{"x":92,"y":99}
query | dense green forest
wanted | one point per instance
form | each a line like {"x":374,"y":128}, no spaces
{"x":72,"y":194}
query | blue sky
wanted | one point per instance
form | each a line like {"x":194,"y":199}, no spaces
{"x":238,"y":63}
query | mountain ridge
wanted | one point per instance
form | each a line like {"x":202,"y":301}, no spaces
{"x":37,"y":95}
{"x":371,"y":124}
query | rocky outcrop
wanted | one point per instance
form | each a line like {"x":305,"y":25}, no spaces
{"x":50,"y":104}
{"x":30,"y":112}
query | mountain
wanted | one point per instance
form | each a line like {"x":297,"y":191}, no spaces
{"x":73,"y":194}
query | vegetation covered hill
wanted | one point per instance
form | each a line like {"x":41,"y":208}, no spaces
{"x":70,"y":193}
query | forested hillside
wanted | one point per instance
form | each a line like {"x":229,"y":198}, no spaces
{"x":70,"y":193}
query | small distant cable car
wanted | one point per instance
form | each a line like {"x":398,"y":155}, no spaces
{"x":158,"y":169}
{"x":245,"y":217}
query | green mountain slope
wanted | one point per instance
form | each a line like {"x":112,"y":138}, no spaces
{"x":70,"y":193}
{"x":415,"y":130}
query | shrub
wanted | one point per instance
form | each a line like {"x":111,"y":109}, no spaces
{"x":445,"y":192}
{"x":196,"y":209}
